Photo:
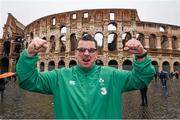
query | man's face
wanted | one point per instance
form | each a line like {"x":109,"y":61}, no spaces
{"x":86,"y":53}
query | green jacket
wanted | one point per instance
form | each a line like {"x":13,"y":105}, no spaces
{"x":84,"y":94}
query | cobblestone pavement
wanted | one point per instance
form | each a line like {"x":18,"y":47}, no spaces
{"x":20,"y":104}
{"x":162,"y":103}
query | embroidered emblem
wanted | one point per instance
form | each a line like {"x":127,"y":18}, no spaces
{"x":101,"y":81}
{"x":72,"y":82}
{"x":103,"y":91}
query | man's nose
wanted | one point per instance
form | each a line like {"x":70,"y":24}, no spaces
{"x":86,"y":52}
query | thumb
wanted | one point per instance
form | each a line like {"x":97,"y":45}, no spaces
{"x":126,"y":48}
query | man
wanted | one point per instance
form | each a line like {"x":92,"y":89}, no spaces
{"x":2,"y":87}
{"x":163,"y":77}
{"x":85,"y":91}
{"x":3,"y":82}
{"x":144,"y":100}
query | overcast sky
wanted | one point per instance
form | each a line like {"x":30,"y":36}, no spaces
{"x":26,"y":11}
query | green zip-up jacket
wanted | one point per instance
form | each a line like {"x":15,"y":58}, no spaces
{"x":84,"y":94}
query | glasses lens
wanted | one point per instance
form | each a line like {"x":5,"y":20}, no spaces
{"x":91,"y":50}
{"x":81,"y":49}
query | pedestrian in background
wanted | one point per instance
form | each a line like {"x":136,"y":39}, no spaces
{"x":3,"y":82}
{"x":144,"y":99}
{"x":163,"y":77}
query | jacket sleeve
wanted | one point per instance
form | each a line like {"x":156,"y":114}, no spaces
{"x":29,"y":78}
{"x":140,"y":76}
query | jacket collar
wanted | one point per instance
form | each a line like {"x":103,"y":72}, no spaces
{"x":86,"y":71}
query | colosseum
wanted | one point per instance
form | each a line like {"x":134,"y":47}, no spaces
{"x":112,"y":28}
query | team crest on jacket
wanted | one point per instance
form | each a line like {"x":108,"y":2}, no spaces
{"x":101,"y":81}
{"x":72,"y":82}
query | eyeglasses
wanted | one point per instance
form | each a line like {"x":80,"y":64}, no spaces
{"x":90,"y":50}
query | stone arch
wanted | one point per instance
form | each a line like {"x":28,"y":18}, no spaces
{"x":176,"y":66}
{"x":52,"y":43}
{"x":111,"y":16}
{"x":162,"y":29}
{"x":72,"y":63}
{"x":4,"y":65}
{"x":63,"y":29}
{"x":31,"y":35}
{"x":125,"y":37}
{"x":73,"y":41}
{"x":152,"y":41}
{"x":42,"y":66}
{"x":164,"y":42}
{"x":44,"y":38}
{"x":51,"y":65}
{"x":61,"y":64}
{"x":85,"y":33}
{"x":73,"y":16}
{"x":99,"y":62}
{"x":174,"y":42}
{"x":62,"y":43}
{"x":113,"y":63}
{"x":112,"y":26}
{"x":18,"y":45}
{"x":112,"y":41}
{"x":6,"y":48}
{"x":127,"y":65}
{"x":140,"y":37}
{"x":85,"y":15}
{"x":53,"y":21}
{"x":166,"y":66}
{"x":99,"y":38}
{"x":155,"y":64}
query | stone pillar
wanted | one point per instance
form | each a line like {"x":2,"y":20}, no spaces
{"x":146,"y":41}
{"x":46,"y":65}
{"x":158,"y":42}
{"x":66,"y":60}
{"x":170,"y":43}
{"x":12,"y":65}
{"x":57,"y":48}
{"x":120,"y":63}
{"x":119,"y":36}
{"x":178,"y":44}
{"x":160,"y":65}
{"x":105,"y":42}
{"x":56,"y":63}
{"x":12,"y":48}
{"x":171,"y":65}
{"x":68,"y":39}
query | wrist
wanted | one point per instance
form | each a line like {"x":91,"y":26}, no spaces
{"x":30,"y":54}
{"x":140,"y":56}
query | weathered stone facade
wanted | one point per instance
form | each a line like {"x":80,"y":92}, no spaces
{"x":11,"y":43}
{"x":111,"y":28}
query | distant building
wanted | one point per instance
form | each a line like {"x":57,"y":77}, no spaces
{"x":11,"y":44}
{"x":110,"y":27}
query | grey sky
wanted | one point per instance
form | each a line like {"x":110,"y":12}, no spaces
{"x":26,"y":11}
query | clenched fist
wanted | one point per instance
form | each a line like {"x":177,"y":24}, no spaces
{"x":37,"y":45}
{"x":135,"y":47}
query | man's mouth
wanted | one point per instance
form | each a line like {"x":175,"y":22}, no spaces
{"x":86,"y":59}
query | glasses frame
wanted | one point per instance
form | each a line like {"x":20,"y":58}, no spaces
{"x":83,"y":50}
